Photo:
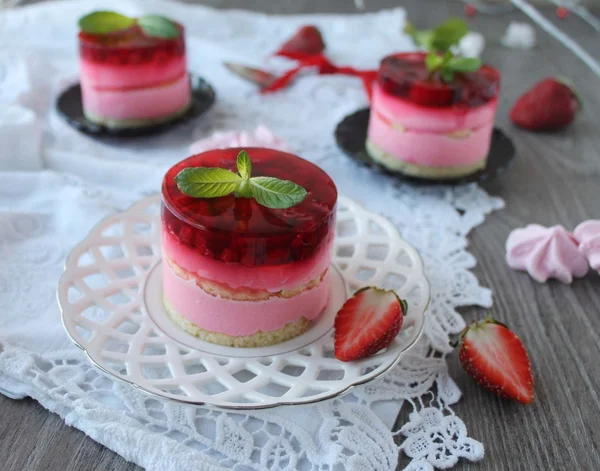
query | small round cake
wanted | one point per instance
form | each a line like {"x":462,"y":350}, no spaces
{"x":238,"y":273}
{"x":129,"y":79}
{"x":425,"y":127}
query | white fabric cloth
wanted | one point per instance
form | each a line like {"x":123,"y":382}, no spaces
{"x":55,"y":184}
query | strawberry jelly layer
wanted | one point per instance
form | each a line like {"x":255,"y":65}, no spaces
{"x":271,"y":278}
{"x":434,"y":137}
{"x":119,"y":77}
{"x":142,"y":103}
{"x":242,"y":243}
{"x":237,"y":318}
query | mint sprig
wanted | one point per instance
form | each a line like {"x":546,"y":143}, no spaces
{"x":448,"y":64}
{"x":438,"y":42}
{"x":158,"y":26}
{"x":212,"y":182}
{"x":202,"y":182}
{"x":244,"y":165}
{"x":105,"y":22}
{"x":440,"y":38}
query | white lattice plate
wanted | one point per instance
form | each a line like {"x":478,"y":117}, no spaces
{"x":110,"y":297}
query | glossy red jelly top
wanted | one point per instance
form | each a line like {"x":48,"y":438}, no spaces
{"x":239,"y":230}
{"x":129,"y":46}
{"x":405,"y":75}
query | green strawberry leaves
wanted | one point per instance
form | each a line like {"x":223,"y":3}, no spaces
{"x":205,"y":182}
{"x":105,"y":22}
{"x":567,"y":82}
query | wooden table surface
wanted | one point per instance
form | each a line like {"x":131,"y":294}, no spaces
{"x":554,"y":181}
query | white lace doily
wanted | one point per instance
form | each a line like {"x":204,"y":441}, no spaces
{"x":45,"y":213}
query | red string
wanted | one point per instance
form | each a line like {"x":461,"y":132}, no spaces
{"x":324,"y":67}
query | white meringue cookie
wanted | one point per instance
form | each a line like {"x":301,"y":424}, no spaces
{"x":588,"y":235}
{"x":471,"y":45}
{"x":546,"y":252}
{"x":519,"y":36}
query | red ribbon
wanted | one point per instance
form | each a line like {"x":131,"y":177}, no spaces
{"x":324,"y":67}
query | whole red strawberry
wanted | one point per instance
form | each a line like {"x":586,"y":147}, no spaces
{"x":306,"y":42}
{"x":496,"y":358}
{"x":549,"y":105}
{"x":367,"y":322}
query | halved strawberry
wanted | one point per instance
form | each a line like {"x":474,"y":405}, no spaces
{"x":496,"y":358}
{"x":367,"y":322}
{"x":306,"y":41}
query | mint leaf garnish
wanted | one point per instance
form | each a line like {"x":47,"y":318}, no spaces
{"x":422,"y":38}
{"x":244,"y":165}
{"x":158,"y":26}
{"x":275,"y":193}
{"x":447,"y":75}
{"x":448,"y":64}
{"x":204,"y":182}
{"x":441,"y":38}
{"x":449,"y":33}
{"x":104,"y":22}
{"x":463,"y":64}
{"x":433,"y":61}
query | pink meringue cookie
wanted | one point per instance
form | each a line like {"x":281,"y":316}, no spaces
{"x":588,"y":235}
{"x":546,"y":252}
{"x":261,"y":137}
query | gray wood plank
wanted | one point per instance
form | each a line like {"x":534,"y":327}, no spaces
{"x":554,"y":180}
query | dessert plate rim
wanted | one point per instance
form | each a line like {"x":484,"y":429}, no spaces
{"x":416,"y":319}
{"x":69,"y":107}
{"x":350,"y":136}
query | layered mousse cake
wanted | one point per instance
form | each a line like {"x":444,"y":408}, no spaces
{"x":237,"y":272}
{"x":424,"y":126}
{"x":131,"y":78}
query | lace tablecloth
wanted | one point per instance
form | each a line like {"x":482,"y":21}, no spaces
{"x":55,"y":184}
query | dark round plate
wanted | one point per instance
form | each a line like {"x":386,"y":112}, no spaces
{"x":351,"y":134}
{"x":70,"y":107}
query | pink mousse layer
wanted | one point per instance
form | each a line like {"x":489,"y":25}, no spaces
{"x":142,"y":103}
{"x":237,"y":318}
{"x":100,"y":75}
{"x":420,"y":135}
{"x":272,"y":278}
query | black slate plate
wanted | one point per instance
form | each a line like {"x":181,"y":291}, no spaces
{"x":351,"y":134}
{"x":70,"y":107}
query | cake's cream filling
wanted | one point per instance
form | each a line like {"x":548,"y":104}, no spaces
{"x":463,"y":133}
{"x":236,"y":318}
{"x":394,"y":163}
{"x":136,"y":107}
{"x":259,"y":339}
